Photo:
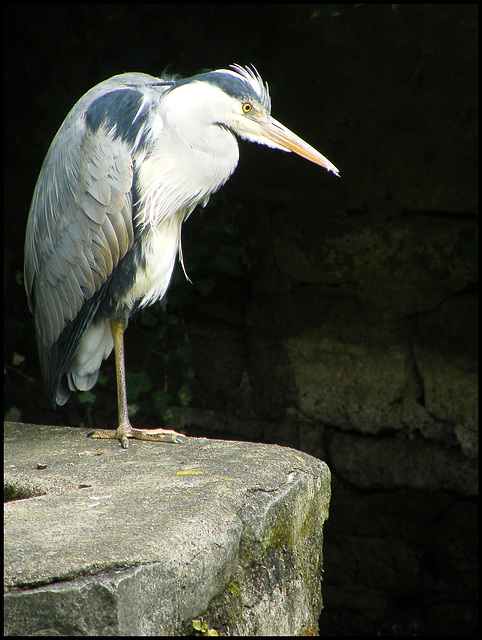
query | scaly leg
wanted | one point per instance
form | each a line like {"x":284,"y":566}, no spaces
{"x":125,"y":430}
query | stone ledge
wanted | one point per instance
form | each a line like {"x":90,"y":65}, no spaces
{"x":141,"y":541}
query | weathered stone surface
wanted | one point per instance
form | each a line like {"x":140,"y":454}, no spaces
{"x":446,"y":356}
{"x":397,"y":266}
{"x":275,"y":560}
{"x":389,"y":463}
{"x":353,"y":386}
{"x":140,"y":542}
{"x":339,"y":363}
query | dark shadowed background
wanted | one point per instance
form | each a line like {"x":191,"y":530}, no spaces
{"x":338,"y":316}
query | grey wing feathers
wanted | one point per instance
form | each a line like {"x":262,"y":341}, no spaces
{"x":80,"y":222}
{"x":83,"y":228}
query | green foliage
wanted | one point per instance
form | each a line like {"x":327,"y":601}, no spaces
{"x":184,"y":395}
{"x":181,"y":354}
{"x":201,"y":627}
{"x":178,"y":373}
{"x":161,"y":403}
{"x":102,"y":379}
{"x":86,"y":397}
{"x":137,"y":383}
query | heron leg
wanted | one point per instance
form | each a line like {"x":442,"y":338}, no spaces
{"x":125,"y":430}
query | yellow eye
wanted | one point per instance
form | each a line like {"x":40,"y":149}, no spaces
{"x":247,"y":107}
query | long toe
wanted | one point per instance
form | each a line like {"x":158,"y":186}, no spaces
{"x":110,"y":434}
{"x":156,"y":435}
{"x":124,"y":432}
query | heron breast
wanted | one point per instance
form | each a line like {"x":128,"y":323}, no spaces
{"x":160,"y":247}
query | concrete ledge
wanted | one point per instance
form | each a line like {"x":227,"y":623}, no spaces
{"x":139,"y":542}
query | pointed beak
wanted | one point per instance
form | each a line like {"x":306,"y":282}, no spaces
{"x":282,"y":138}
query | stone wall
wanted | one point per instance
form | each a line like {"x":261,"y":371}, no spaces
{"x":391,"y":405}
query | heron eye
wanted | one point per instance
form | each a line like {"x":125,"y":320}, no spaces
{"x":247,"y":107}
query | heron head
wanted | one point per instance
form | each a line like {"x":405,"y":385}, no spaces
{"x":238,"y":100}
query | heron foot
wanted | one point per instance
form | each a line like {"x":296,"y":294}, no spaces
{"x":124,"y":432}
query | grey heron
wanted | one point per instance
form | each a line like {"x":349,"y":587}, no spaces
{"x":132,"y":159}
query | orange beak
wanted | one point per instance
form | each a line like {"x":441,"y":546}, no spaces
{"x":282,"y":138}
